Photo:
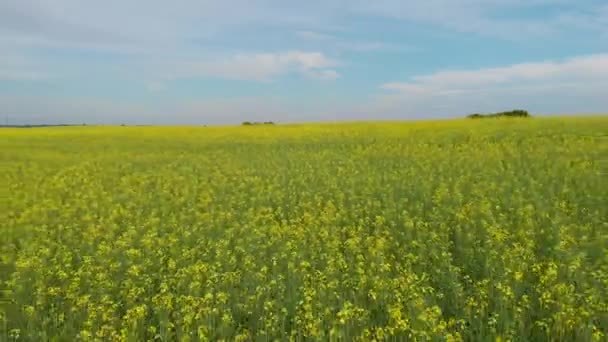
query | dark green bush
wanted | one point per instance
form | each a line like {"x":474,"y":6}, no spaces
{"x":256,"y":123}
{"x":513,"y":113}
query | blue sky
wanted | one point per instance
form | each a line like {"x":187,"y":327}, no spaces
{"x":223,"y":62}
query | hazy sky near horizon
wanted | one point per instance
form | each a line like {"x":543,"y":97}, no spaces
{"x":216,"y":62}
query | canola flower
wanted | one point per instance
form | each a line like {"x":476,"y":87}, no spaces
{"x":492,"y":230}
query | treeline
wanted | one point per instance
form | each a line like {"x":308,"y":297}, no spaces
{"x":256,"y":123}
{"x":513,"y":113}
{"x":39,"y":126}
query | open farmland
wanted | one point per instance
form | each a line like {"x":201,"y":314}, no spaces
{"x":449,"y":230}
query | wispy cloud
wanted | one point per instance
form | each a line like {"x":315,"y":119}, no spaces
{"x":75,"y":23}
{"x":491,"y":17}
{"x":371,"y":46}
{"x":583,"y":70}
{"x":261,"y":66}
{"x":349,"y":44}
{"x":569,"y":85}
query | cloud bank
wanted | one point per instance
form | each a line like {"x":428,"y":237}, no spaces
{"x":549,"y":87}
{"x":584,"y":71}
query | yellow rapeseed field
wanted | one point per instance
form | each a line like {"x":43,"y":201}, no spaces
{"x":475,"y":230}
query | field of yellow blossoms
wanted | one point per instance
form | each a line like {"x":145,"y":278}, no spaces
{"x":464,"y":230}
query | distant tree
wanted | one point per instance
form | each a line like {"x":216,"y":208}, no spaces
{"x":516,"y":113}
{"x":513,"y":113}
{"x":257,"y":123}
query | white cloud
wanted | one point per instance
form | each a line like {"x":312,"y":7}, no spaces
{"x":308,"y":60}
{"x":574,"y":84}
{"x":584,"y":69}
{"x":260,"y":66}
